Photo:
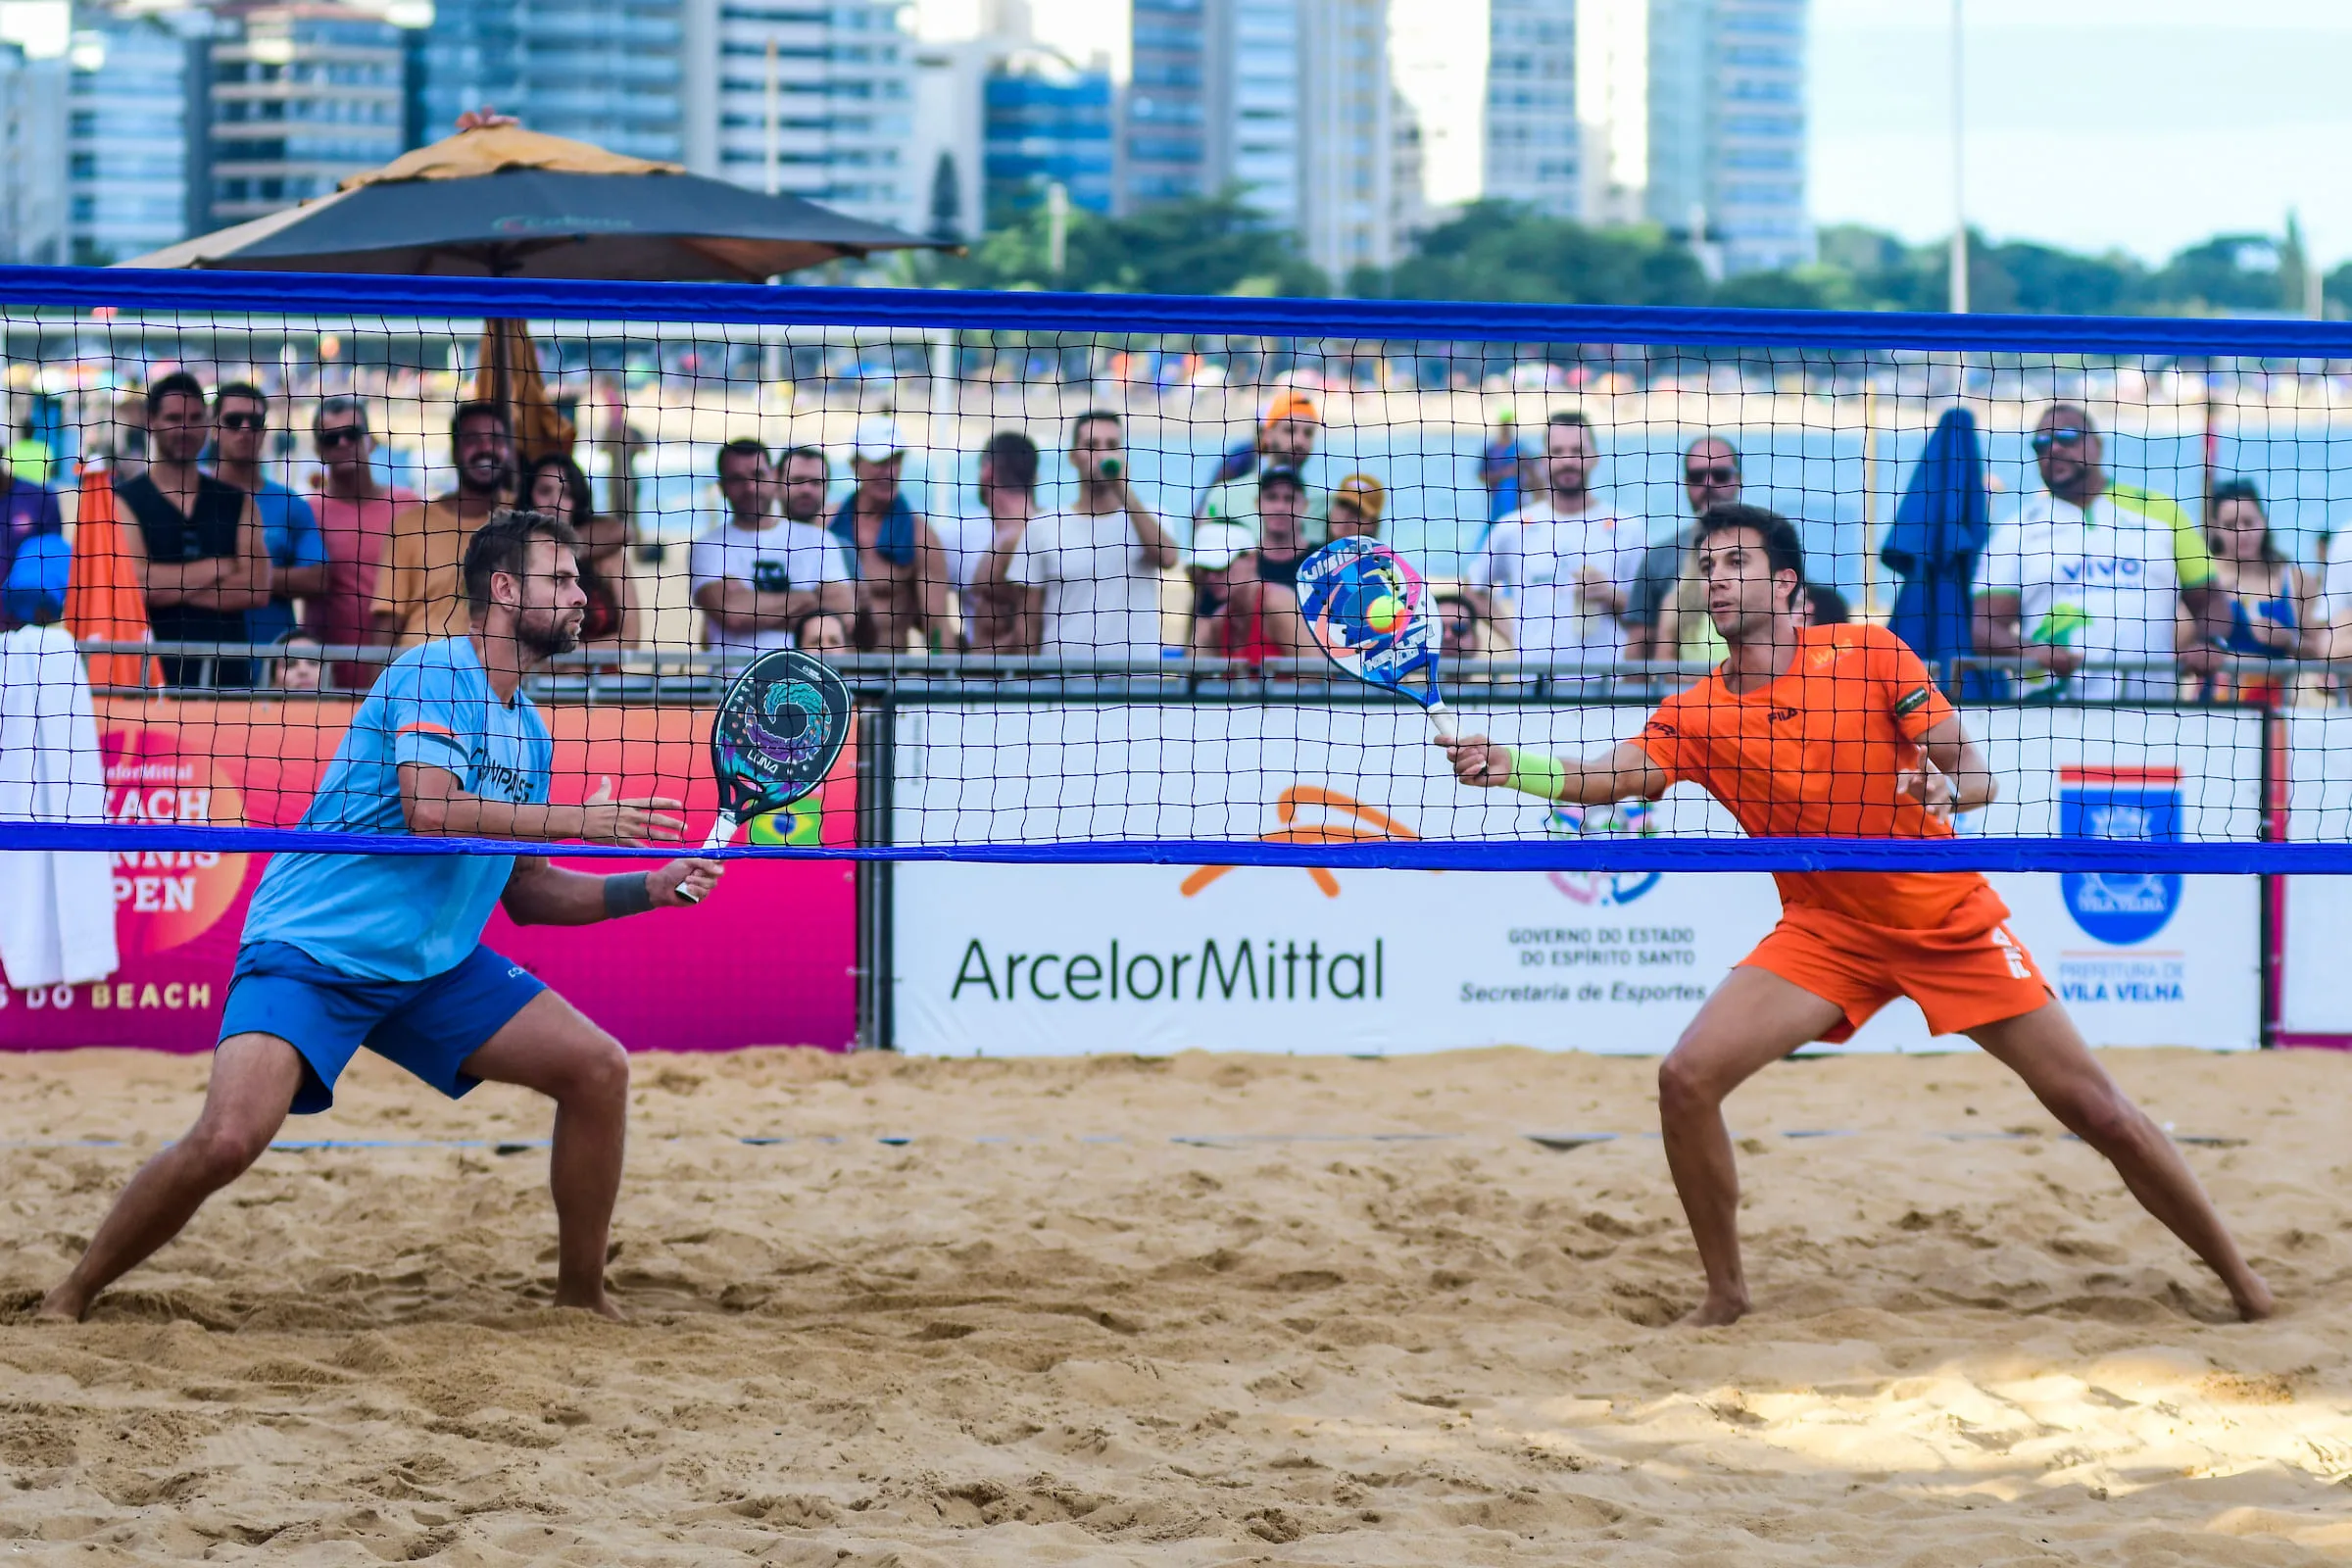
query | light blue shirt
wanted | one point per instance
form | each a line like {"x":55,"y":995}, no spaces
{"x":405,"y":916}
{"x":290,"y":533}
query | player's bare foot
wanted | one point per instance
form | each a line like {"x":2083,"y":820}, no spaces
{"x":2253,"y":1298}
{"x":1716,"y":1312}
{"x":589,"y":1298}
{"x":64,"y":1305}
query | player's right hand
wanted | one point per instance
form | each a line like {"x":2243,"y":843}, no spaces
{"x":2056,"y":658}
{"x":1476,"y":762}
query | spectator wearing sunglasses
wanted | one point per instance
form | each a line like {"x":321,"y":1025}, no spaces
{"x":2090,"y":570}
{"x":355,"y":511}
{"x":289,"y":528}
{"x":201,"y":536}
{"x":1659,"y":614}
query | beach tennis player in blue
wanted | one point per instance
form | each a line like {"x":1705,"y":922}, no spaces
{"x":385,"y":950}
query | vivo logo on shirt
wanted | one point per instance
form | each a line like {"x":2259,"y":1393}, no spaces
{"x":2102,"y":571}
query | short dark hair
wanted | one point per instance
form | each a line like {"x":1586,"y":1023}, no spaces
{"x":340,"y":403}
{"x":503,"y":543}
{"x":800,"y":627}
{"x":814,"y":455}
{"x":1711,"y":439}
{"x":243,"y":389}
{"x":178,"y":384}
{"x":1574,"y":416}
{"x":1092,"y":416}
{"x":1830,"y":607}
{"x":743,"y":446}
{"x":1784,"y":551}
{"x":480,"y":409}
{"x":1277,"y":473}
{"x":1012,"y":458}
{"x":2082,"y":415}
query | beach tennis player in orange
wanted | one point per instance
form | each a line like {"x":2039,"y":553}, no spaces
{"x":1840,"y":731}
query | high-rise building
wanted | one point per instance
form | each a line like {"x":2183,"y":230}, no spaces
{"x":300,"y":97}
{"x":609,"y":74}
{"x":1172,"y":141}
{"x":136,"y":180}
{"x":1044,"y":122}
{"x":807,"y":98}
{"x":32,"y":165}
{"x":1727,"y":129}
{"x":1530,"y":131}
{"x":1287,"y":101}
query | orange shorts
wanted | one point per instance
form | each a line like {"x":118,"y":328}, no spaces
{"x":1965,"y":973}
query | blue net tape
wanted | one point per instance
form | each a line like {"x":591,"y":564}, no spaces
{"x":1532,"y":855}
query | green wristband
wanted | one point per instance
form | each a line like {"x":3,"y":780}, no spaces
{"x":1538,"y":774}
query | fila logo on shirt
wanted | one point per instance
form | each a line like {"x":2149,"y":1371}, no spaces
{"x":1780,"y":714}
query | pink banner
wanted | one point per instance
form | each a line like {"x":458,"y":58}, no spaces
{"x":765,"y":961}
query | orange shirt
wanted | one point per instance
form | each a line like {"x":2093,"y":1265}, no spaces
{"x":422,"y":583}
{"x":1815,"y":754}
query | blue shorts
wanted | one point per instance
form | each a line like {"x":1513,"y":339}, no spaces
{"x":427,"y":1026}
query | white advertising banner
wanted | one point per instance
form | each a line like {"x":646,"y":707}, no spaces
{"x":1053,"y":959}
{"x":2315,"y":995}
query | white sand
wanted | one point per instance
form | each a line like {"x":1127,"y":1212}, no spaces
{"x":1090,"y":1343}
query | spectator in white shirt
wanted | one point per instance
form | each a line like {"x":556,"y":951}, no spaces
{"x":1091,"y":574}
{"x":1563,"y":564}
{"x":758,"y":574}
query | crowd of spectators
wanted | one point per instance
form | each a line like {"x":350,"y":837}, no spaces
{"x":2089,"y":588}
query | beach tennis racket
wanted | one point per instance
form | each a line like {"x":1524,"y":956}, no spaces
{"x":778,"y":732}
{"x":1369,"y":612}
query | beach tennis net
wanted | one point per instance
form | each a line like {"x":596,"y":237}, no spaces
{"x":1053,"y":543}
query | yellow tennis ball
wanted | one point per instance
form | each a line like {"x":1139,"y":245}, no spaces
{"x":1381,"y":614}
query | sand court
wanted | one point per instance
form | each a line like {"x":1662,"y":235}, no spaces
{"x":1207,"y":1309}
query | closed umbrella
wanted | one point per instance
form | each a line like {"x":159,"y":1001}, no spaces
{"x":1939,"y":529}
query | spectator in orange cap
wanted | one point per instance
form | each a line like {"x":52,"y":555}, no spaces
{"x":1285,"y":439}
{"x":1356,"y":506}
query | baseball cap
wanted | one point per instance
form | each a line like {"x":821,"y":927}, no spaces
{"x":1217,"y":545}
{"x":1368,"y":495}
{"x":1290,"y":405}
{"x":1280,"y":473}
{"x":878,"y":439}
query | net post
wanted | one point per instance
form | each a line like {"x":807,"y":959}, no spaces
{"x":873,"y":877}
{"x":2276,"y":773}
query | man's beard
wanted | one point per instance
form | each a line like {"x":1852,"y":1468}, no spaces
{"x":545,"y":633}
{"x":810,"y":516}
{"x":503,"y":482}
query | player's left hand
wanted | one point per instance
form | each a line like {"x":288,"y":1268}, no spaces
{"x":681,"y":883}
{"x":1930,"y":787}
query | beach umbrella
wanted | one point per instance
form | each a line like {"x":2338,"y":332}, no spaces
{"x":1939,"y":529}
{"x":498,"y":201}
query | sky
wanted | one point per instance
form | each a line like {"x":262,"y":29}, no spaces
{"x":2133,"y":124}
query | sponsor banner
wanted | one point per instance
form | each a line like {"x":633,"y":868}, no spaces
{"x":700,"y":979}
{"x":1021,"y":960}
{"x":2312,"y":996}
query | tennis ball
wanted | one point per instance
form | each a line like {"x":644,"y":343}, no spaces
{"x":1381,"y":614}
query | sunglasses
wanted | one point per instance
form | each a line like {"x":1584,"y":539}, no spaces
{"x":340,"y":435}
{"x":243,"y":422}
{"x":1710,"y":476}
{"x":2066,"y":436}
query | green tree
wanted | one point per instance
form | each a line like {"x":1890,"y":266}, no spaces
{"x":1497,"y":251}
{"x":1207,"y":245}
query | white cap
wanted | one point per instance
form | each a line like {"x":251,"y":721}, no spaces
{"x":1216,"y":545}
{"x":878,"y":438}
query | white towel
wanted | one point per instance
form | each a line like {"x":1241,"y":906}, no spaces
{"x":56,"y":909}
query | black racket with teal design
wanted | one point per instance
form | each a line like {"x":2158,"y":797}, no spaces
{"x":778,"y":732}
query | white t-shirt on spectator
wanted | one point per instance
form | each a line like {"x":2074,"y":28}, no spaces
{"x":1102,"y":586}
{"x":1536,"y":556}
{"x":2104,"y":580}
{"x":965,"y":539}
{"x":787,"y":557}
{"x":2335,"y":590}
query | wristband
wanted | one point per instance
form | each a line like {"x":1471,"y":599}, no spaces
{"x":627,"y":894}
{"x":1536,"y":773}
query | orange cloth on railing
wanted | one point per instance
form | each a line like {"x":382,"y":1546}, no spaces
{"x":104,"y":600}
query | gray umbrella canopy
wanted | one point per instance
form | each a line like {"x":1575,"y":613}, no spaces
{"x":505,"y":202}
